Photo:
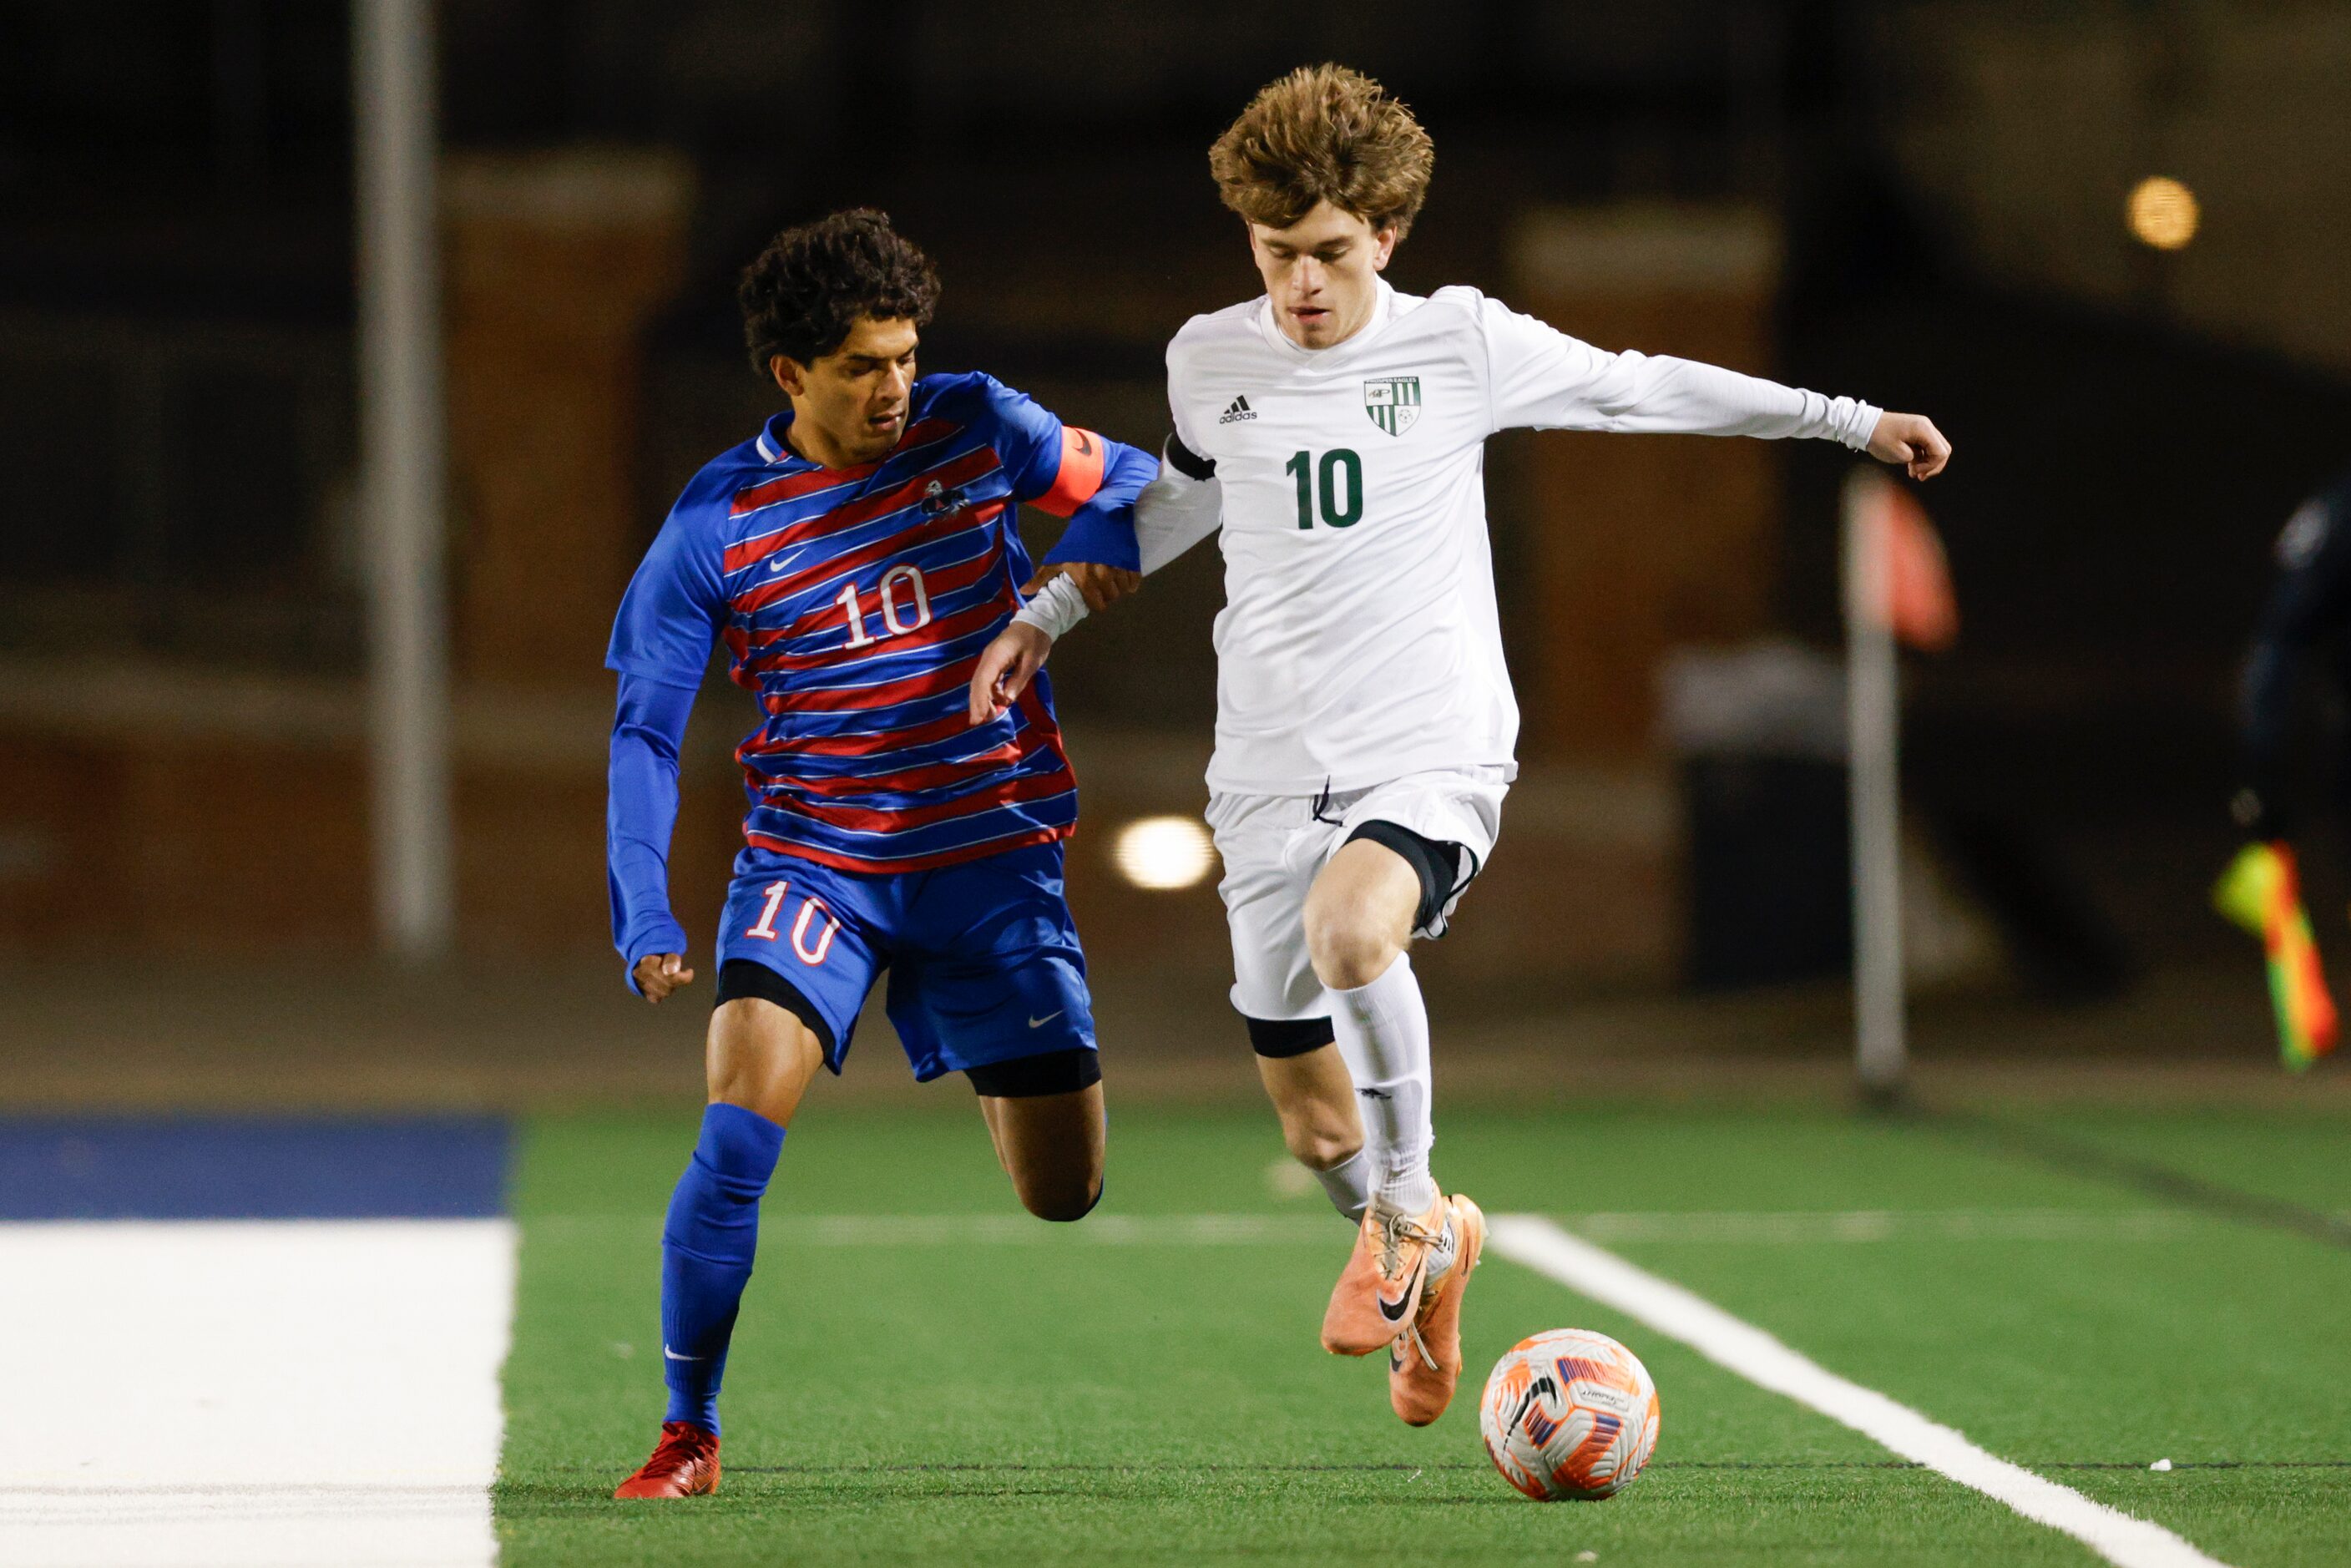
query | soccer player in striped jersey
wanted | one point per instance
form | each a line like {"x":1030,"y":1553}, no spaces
{"x":854,"y":557}
{"x":1331,"y":432}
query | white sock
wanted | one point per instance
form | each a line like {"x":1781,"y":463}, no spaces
{"x":1349,"y":1183}
{"x":1386,"y":1042}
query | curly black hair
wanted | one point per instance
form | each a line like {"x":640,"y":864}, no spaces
{"x":816,"y":280}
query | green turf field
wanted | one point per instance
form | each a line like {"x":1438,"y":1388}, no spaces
{"x":2081,"y":1294}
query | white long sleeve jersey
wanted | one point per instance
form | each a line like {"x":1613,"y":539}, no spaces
{"x":1359,"y":640}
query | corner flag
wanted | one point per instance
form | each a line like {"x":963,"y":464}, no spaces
{"x":1915,"y":601}
{"x":2262,"y":892}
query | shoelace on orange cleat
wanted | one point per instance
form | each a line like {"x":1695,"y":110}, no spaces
{"x":1395,"y":1232}
{"x":1401,"y":1228}
{"x":1412,"y":1333}
{"x":676,"y":1450}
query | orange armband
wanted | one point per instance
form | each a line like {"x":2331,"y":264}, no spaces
{"x":1080,"y":474}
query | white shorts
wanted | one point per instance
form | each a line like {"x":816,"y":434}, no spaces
{"x":1273,"y":847}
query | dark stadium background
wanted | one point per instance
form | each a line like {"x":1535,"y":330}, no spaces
{"x":1936,"y":191}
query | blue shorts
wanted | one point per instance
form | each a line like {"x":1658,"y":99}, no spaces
{"x":983,"y":957}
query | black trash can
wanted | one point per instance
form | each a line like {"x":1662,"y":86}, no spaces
{"x":1759,"y":739}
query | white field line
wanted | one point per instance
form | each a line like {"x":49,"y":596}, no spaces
{"x":1809,"y":1227}
{"x":251,"y":1392}
{"x":1743,"y":1348}
{"x":1765,"y":1228}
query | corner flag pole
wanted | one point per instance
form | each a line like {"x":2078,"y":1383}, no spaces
{"x":400,"y":469}
{"x":1872,"y":725}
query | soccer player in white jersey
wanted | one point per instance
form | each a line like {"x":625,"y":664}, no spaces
{"x":1333,"y":430}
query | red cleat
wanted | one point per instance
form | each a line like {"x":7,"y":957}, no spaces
{"x":684,"y":1464}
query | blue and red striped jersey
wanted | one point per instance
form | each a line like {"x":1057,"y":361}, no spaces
{"x":854,"y":603}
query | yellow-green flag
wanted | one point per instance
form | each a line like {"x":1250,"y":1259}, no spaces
{"x":2262,"y":892}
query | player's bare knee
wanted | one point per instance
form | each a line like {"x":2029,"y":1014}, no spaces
{"x":1060,"y":1199}
{"x":1349,"y":946}
{"x":760,"y":1058}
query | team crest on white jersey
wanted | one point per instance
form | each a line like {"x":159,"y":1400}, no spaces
{"x":1393,"y":401}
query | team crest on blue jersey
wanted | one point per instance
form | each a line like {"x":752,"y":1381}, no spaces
{"x":1394,"y":402}
{"x":938,"y":500}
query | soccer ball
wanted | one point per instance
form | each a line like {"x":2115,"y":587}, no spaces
{"x":1569,"y":1413}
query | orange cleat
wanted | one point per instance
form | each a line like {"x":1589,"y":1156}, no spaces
{"x":1379,"y":1291}
{"x":684,"y":1464}
{"x":1425,"y":1362}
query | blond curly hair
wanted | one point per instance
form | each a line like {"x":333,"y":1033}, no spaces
{"x":1324,"y":134}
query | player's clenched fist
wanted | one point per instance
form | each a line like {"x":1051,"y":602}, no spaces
{"x":1911,"y":440}
{"x":1006,"y":667}
{"x":659,"y":974}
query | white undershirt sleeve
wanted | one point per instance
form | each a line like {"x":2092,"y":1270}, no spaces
{"x":1540,"y":378}
{"x":1057,"y":607}
{"x":1174,"y":513}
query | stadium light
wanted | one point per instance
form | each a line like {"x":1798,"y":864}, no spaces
{"x":1163,"y":852}
{"x":2163,"y":212}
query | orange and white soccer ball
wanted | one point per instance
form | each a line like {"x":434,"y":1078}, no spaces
{"x":1569,"y":1413}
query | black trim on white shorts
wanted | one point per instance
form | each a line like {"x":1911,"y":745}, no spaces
{"x":1027,"y":1077}
{"x":1280,"y":1038}
{"x":1437,"y":862}
{"x":740,"y":977}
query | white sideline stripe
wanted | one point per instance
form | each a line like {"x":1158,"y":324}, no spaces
{"x":1742,"y":1348}
{"x":251,"y":1392}
{"x":1806,"y":1228}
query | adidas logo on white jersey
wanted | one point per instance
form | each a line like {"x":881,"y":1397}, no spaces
{"x":1241,"y":410}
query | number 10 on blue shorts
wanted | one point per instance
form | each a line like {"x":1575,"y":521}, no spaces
{"x":983,"y":957}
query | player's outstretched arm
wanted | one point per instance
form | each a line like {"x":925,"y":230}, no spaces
{"x":1911,"y":440}
{"x":1179,"y":507}
{"x":1541,"y":378}
{"x":1073,"y":472}
{"x":1098,"y":552}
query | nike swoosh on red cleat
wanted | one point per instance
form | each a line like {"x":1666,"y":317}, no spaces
{"x":1396,"y":1314}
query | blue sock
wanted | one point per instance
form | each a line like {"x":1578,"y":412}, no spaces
{"x":706,"y":1245}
